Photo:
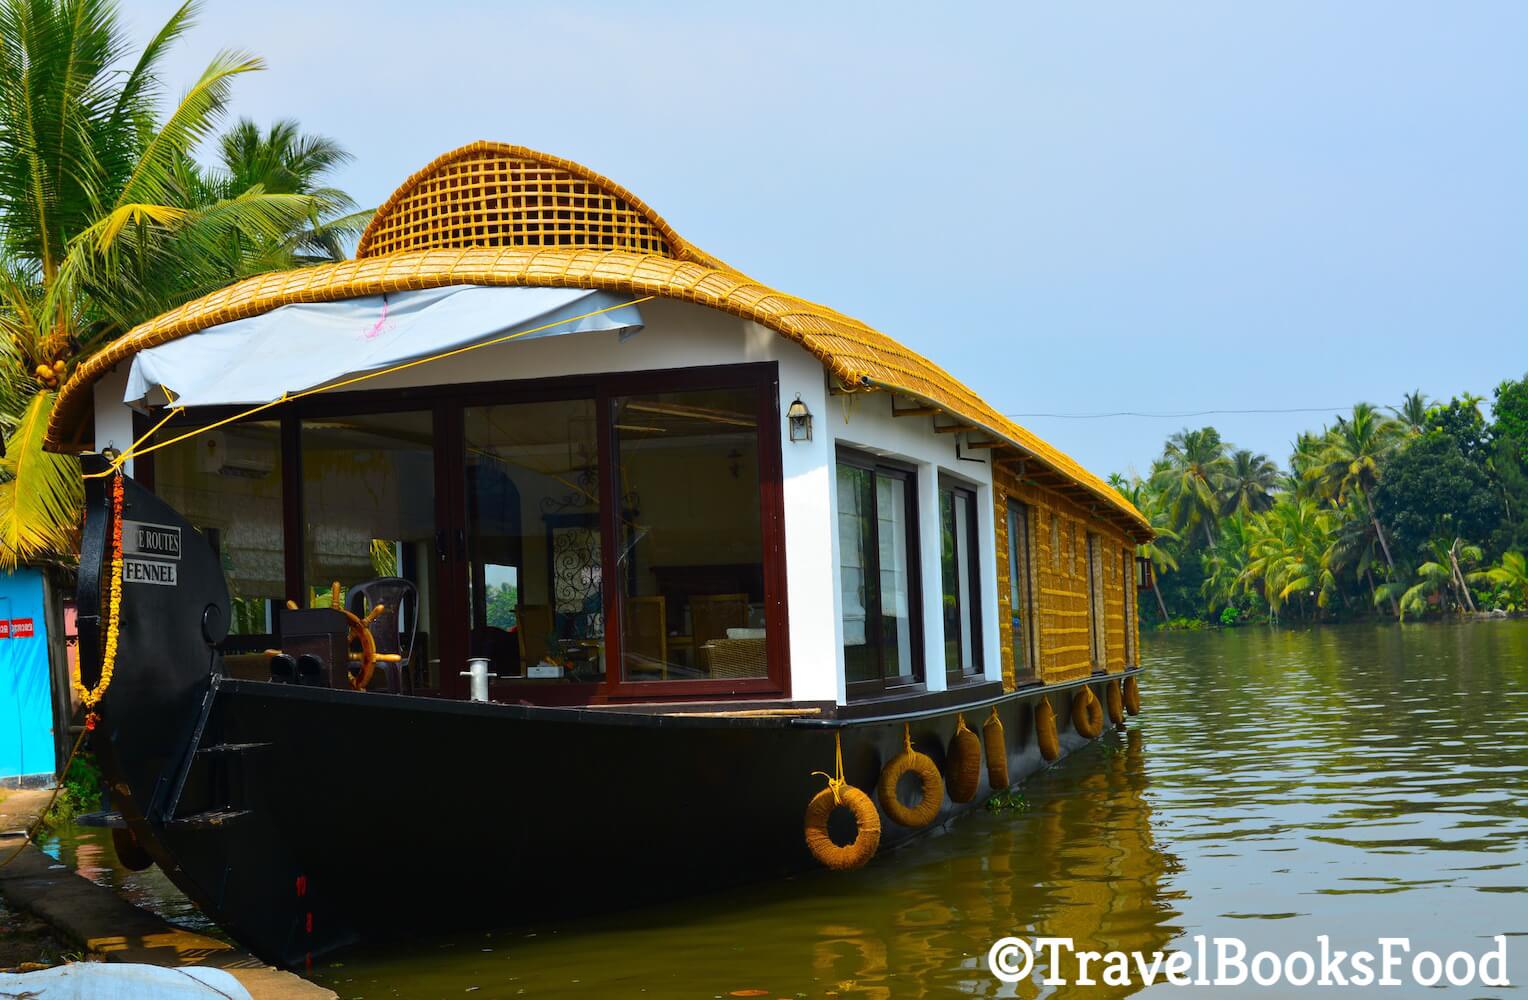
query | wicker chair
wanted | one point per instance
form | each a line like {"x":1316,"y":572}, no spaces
{"x":711,"y":615}
{"x":535,"y":629}
{"x":733,"y":658}
{"x":645,"y":643}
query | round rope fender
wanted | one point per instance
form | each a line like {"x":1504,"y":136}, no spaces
{"x":1132,"y":696}
{"x":867,"y":828}
{"x":1045,"y":730}
{"x":1116,"y":703}
{"x":1087,"y":714}
{"x":965,"y":763}
{"x":997,"y":752}
{"x":931,"y":786}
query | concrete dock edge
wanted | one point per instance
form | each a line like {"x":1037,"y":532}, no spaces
{"x":103,"y":923}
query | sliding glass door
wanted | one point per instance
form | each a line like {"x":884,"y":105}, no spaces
{"x":611,"y":536}
{"x":535,"y":597}
{"x":877,"y":532}
{"x":690,"y":560}
{"x":369,"y":513}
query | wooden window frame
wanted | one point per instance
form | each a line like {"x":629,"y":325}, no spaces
{"x":907,"y":474}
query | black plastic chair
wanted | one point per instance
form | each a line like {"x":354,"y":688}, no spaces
{"x":395,"y":594}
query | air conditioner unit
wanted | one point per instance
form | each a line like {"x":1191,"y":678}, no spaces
{"x":223,"y":454}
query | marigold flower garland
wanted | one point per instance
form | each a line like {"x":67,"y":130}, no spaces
{"x":91,"y":697}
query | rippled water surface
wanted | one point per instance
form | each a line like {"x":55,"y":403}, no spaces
{"x":88,"y":851}
{"x":1354,"y":781}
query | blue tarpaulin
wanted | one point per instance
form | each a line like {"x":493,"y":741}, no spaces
{"x":26,"y":705}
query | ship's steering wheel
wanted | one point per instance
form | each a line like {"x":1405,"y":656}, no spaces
{"x":360,"y":634}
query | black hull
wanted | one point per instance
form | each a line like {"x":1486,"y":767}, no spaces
{"x":305,"y":819}
{"x":381,"y":815}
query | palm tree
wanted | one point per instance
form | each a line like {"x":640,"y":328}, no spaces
{"x":1192,"y":470}
{"x":1412,"y":412}
{"x":1349,"y":464}
{"x":1225,"y":565}
{"x":1511,"y":575}
{"x":1151,"y":505}
{"x":104,"y":222}
{"x":1438,"y":578}
{"x":1287,"y":545}
{"x":1304,"y":454}
{"x":1353,"y":549}
{"x":1248,"y":484}
{"x":286,"y":160}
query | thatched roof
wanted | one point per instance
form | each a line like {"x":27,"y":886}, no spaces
{"x":492,"y":214}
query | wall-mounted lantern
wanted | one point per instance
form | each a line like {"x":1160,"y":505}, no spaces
{"x":1142,"y":573}
{"x":800,"y":420}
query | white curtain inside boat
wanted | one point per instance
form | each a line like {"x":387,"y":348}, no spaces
{"x":301,"y":346}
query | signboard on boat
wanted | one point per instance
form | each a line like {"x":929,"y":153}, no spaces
{"x":155,"y":541}
{"x":149,"y":571}
{"x":150,"y":553}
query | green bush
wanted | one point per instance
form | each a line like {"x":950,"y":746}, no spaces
{"x":80,"y":792}
{"x":1181,"y":624}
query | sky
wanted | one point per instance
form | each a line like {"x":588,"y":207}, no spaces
{"x":1075,"y":208}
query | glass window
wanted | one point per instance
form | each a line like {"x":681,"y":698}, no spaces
{"x":535,"y":585}
{"x":368,"y":511}
{"x":691,"y":557}
{"x":1021,"y":613}
{"x":961,"y":585}
{"x":876,"y":577}
{"x":228,"y":484}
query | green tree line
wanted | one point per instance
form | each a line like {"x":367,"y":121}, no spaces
{"x":1399,"y":512}
{"x":116,"y":204}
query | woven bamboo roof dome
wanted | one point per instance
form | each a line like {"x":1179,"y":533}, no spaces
{"x":495,"y":214}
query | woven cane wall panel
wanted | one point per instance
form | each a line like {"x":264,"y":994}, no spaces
{"x":1058,"y":583}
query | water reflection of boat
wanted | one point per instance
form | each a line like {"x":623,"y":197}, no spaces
{"x":1082,"y":863}
{"x":540,"y":431}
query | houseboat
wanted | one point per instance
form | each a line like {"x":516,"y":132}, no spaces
{"x":535,"y":560}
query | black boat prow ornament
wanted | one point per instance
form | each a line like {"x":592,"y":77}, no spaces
{"x":183,"y":793}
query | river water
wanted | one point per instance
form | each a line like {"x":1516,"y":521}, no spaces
{"x":1280,"y":784}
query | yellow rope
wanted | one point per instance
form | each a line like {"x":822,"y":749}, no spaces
{"x":907,"y":737}
{"x":118,"y":462}
{"x":149,"y":433}
{"x":836,"y":783}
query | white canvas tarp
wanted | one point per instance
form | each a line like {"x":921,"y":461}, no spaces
{"x":301,"y":346}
